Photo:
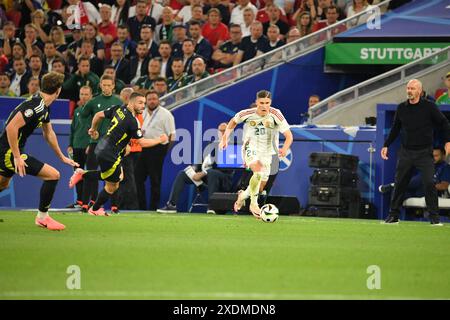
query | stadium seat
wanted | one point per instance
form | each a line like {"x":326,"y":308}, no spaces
{"x":444,"y":203}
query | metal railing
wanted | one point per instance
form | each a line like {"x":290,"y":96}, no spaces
{"x":268,"y":60}
{"x":383,"y":82}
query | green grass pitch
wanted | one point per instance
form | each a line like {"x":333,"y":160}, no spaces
{"x":197,"y":256}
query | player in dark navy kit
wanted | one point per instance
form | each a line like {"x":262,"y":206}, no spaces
{"x":113,"y":146}
{"x":26,"y":117}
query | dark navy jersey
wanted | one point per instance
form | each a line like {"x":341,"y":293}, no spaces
{"x":34,"y":112}
{"x":124,"y":126}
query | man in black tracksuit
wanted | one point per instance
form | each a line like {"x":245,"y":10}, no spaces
{"x":416,"y":119}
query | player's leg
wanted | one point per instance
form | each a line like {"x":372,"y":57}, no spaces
{"x":104,"y":195}
{"x":81,"y":175}
{"x":249,"y":156}
{"x":254,"y":187}
{"x":4,"y":182}
{"x":115,"y":198}
{"x":111,"y":173}
{"x":79,"y":155}
{"x":90,"y":184}
{"x":6,"y":169}
{"x":262,"y":186}
{"x":50,"y":177}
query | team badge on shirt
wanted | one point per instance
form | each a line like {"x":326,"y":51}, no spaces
{"x":28,"y":113}
{"x":268,"y":124}
{"x":253,"y":123}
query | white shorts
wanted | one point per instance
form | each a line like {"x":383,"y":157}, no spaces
{"x":250,"y":155}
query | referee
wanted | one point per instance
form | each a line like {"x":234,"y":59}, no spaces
{"x":415,"y":119}
{"x":157,"y":121}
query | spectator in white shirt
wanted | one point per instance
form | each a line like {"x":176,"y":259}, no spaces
{"x":237,"y":16}
{"x":357,"y":7}
{"x":249,"y":17}
{"x":76,"y":7}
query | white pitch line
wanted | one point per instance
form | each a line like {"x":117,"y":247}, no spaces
{"x":197,"y":295}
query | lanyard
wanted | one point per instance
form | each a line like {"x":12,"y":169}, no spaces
{"x":117,"y":64}
{"x":149,"y":12}
{"x":152,"y":117}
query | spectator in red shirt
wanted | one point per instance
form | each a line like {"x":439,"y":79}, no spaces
{"x":215,"y":31}
{"x":263,"y":15}
{"x":176,"y":4}
{"x":106,"y":29}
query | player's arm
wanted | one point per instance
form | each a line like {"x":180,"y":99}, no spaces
{"x":230,"y":127}
{"x":12,"y":130}
{"x":287,"y":143}
{"x":50,"y":136}
{"x":147,"y":143}
{"x":98,"y":118}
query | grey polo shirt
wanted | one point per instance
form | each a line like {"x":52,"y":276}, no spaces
{"x":161,"y":121}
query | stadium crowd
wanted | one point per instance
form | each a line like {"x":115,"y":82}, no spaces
{"x":144,"y":42}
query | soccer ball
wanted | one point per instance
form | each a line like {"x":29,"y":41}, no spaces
{"x":269,"y":213}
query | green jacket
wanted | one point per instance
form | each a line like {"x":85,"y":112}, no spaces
{"x":79,"y":137}
{"x":75,"y":82}
{"x":97,"y":104}
{"x":191,"y":79}
{"x":144,"y":82}
{"x":174,"y":84}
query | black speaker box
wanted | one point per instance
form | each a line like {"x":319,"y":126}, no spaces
{"x":332,"y":177}
{"x":285,"y":204}
{"x":222,"y":202}
{"x":333,"y":196}
{"x":333,"y":160}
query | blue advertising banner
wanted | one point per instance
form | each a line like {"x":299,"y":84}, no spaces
{"x":58,"y":110}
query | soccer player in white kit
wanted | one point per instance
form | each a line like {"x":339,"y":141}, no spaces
{"x":260,"y":142}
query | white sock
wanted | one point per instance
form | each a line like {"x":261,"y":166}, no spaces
{"x":253,"y":187}
{"x":42,"y":215}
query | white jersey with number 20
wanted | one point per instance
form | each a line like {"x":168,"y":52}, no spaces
{"x":261,"y":133}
